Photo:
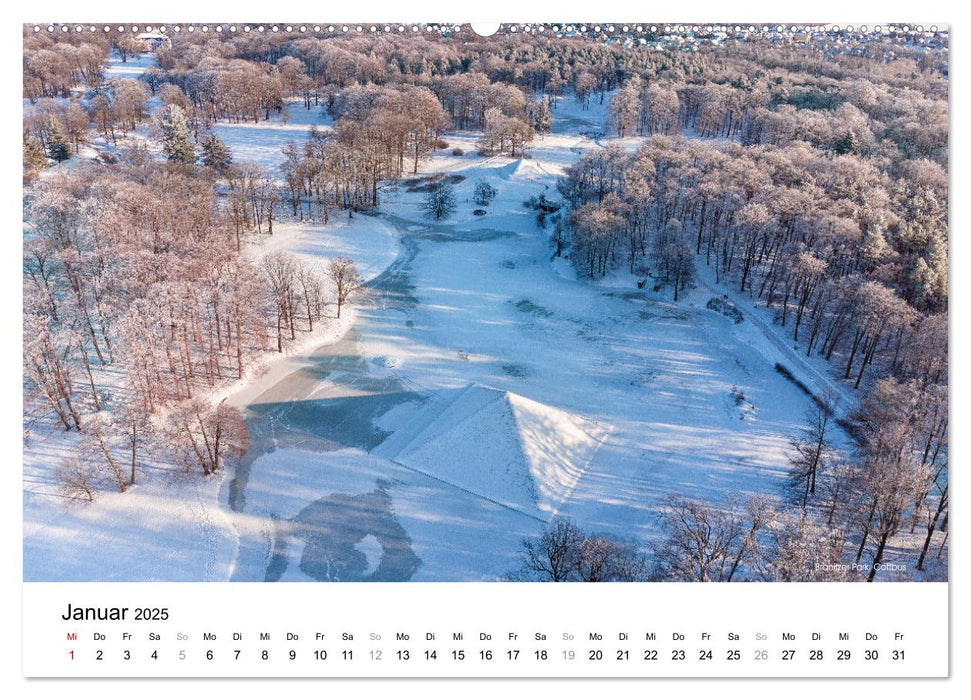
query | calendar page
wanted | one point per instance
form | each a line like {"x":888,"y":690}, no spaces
{"x":512,"y":350}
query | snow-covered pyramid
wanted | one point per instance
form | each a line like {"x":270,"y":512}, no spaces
{"x":499,"y":445}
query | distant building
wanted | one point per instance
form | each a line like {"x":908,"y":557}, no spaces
{"x":154,"y":39}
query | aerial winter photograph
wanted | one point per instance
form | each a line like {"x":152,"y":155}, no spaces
{"x":566,"y":303}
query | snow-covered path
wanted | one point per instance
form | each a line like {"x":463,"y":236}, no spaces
{"x":812,"y":372}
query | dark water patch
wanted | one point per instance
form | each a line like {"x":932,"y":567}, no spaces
{"x":677,"y":314}
{"x":516,"y":370}
{"x":332,"y":423}
{"x":528,"y":307}
{"x":286,"y":415}
{"x":333,"y":526}
{"x":642,"y":377}
{"x":442,"y":231}
{"x":393,"y":287}
{"x":426,"y":183}
{"x":628,"y":295}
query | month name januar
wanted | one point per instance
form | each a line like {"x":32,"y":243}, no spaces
{"x":76,"y":613}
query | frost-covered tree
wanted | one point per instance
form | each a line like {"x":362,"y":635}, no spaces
{"x":799,"y":549}
{"x":174,"y":134}
{"x":136,"y":428}
{"x":504,"y":133}
{"x":207,"y":436}
{"x":130,"y":102}
{"x":607,"y":559}
{"x":47,"y":369}
{"x":810,"y":452}
{"x":660,"y":110}
{"x":707,"y":543}
{"x":623,"y":113}
{"x":439,"y":203}
{"x":539,"y":114}
{"x":309,"y":279}
{"x":99,"y":441}
{"x":76,"y":120}
{"x":279,"y":269}
{"x":35,"y":159}
{"x":216,"y":154}
{"x":596,"y":230}
{"x":584,"y":86}
{"x":425,"y":120}
{"x":484,"y":193}
{"x":674,"y":258}
{"x":77,"y":476}
{"x":892,"y":476}
{"x":347,"y":281}
{"x":563,"y":552}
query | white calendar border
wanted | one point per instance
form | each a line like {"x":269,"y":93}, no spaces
{"x":515,"y":10}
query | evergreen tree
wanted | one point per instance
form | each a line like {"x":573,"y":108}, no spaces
{"x":544,"y":118}
{"x":175,"y":135}
{"x":216,"y":154}
{"x":35,"y":159}
{"x":846,"y":144}
{"x":58,"y":147}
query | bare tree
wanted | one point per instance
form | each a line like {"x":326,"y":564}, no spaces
{"x":100,"y":438}
{"x":563,"y":552}
{"x":207,"y":436}
{"x":605,"y":559}
{"x":77,"y":477}
{"x":439,"y":203}
{"x":705,"y":543}
{"x":136,"y":428}
{"x":810,"y":451}
{"x":347,"y":281}
{"x":309,"y":278}
{"x":280,"y":271}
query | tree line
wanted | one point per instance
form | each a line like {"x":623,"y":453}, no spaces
{"x":139,"y":305}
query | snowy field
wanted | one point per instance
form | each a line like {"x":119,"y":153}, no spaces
{"x":485,"y":389}
{"x":133,"y":67}
{"x":165,"y":528}
{"x":262,"y":143}
{"x":477,"y":390}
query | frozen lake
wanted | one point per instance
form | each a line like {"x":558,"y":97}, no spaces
{"x":477,"y":301}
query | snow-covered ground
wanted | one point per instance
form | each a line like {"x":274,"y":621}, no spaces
{"x":164,"y":528}
{"x":262,"y":142}
{"x":170,"y":526}
{"x":133,"y":67}
{"x":477,"y":390}
{"x":628,"y":398}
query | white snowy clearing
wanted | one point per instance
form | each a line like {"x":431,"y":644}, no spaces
{"x":477,"y":390}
